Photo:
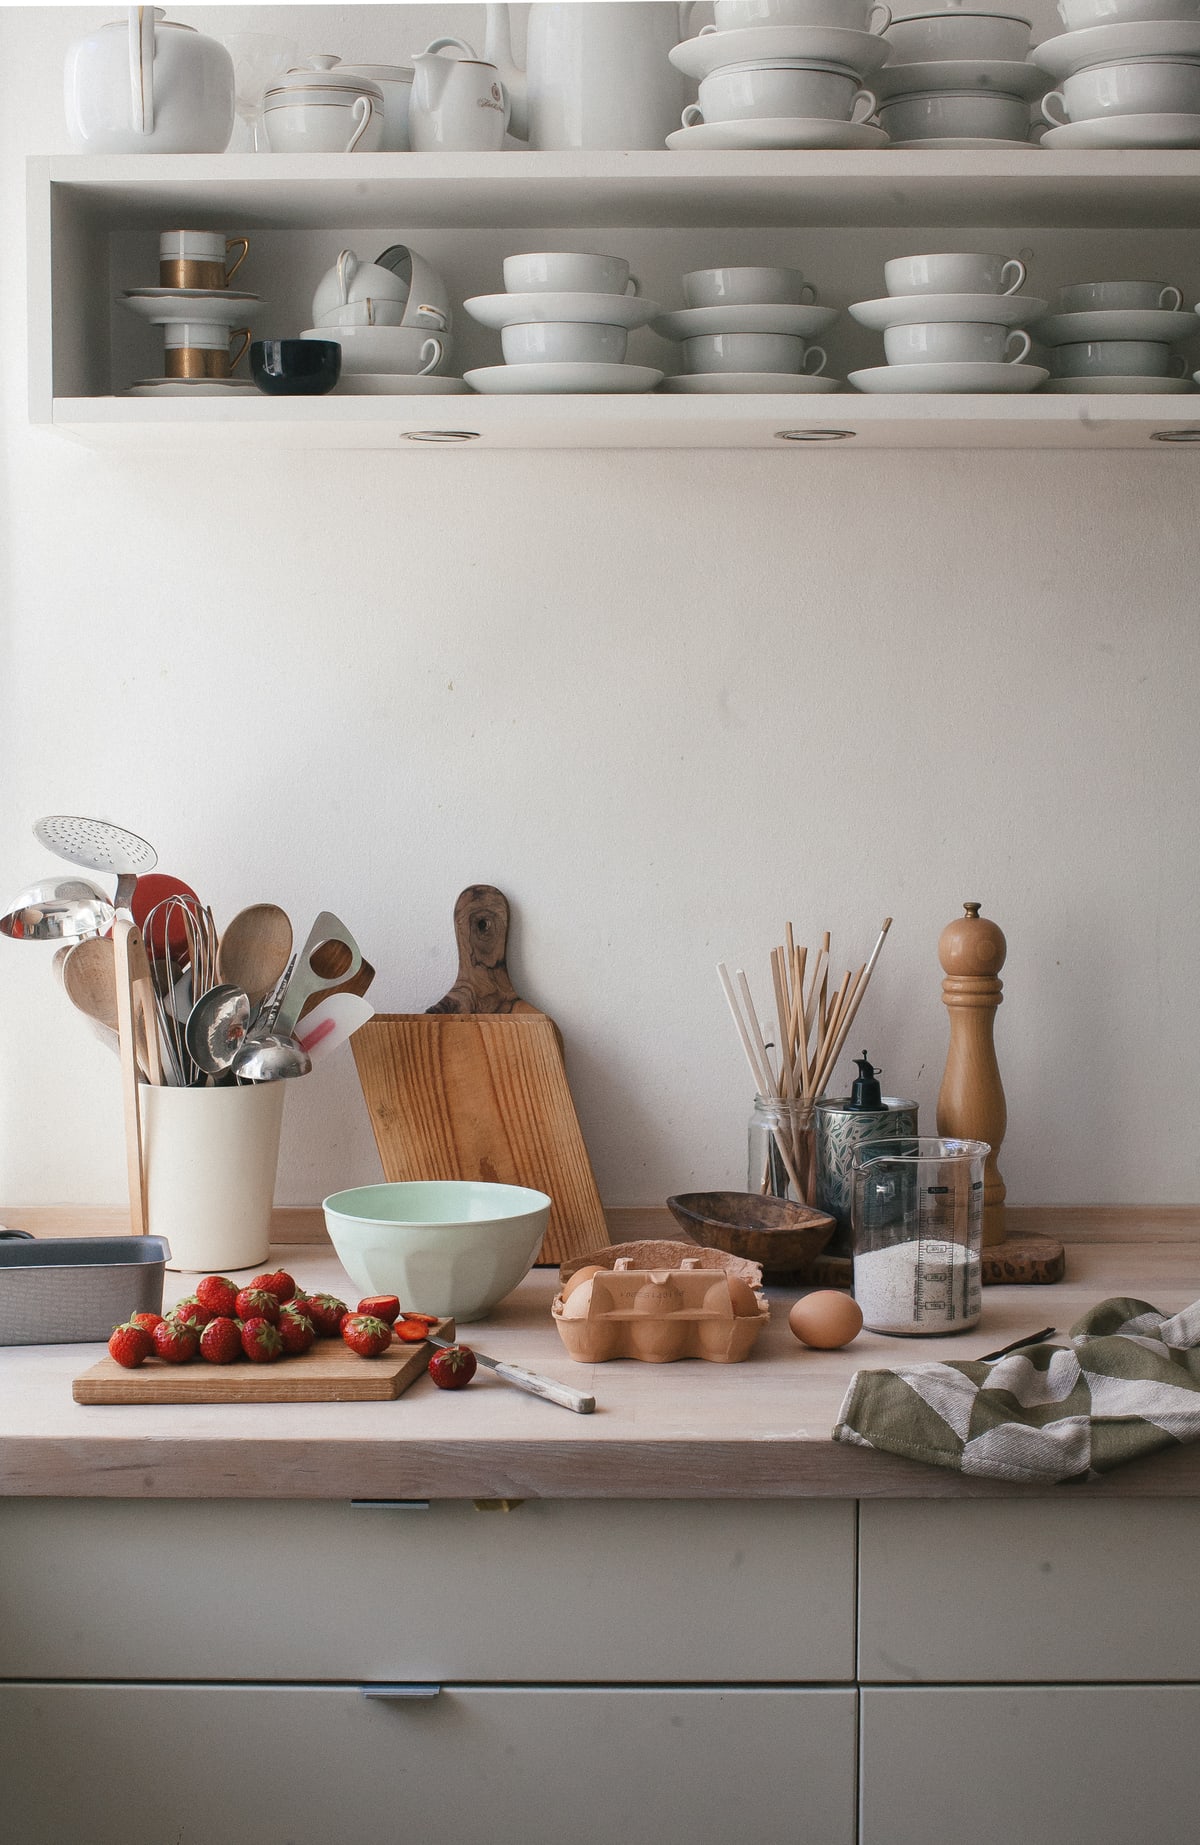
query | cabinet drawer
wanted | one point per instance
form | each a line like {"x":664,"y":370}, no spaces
{"x":1041,"y":1589}
{"x":534,"y":1765}
{"x":1044,"y":1764}
{"x":590,"y":1591}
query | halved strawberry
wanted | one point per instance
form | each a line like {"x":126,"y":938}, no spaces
{"x":410,"y":1332}
{"x":130,"y":1345}
{"x":381,"y":1307}
{"x":365,"y":1335}
{"x":261,"y":1341}
{"x":256,"y":1304}
{"x":221,"y":1341}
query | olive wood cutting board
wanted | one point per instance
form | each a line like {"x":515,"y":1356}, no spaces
{"x":327,"y":1373}
{"x":476,"y":1087}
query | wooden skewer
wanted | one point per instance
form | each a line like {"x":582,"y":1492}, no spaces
{"x":756,"y":1028}
{"x":860,"y":991}
{"x":849,"y":998}
{"x":743,"y":1034}
{"x":787,"y":1085}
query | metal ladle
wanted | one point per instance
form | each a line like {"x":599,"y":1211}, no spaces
{"x":62,"y":910}
{"x":216,"y":1028}
{"x":270,"y":1059}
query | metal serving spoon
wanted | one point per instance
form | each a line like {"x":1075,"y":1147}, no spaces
{"x":62,"y":910}
{"x":269,"y":1059}
{"x":216,"y":1028}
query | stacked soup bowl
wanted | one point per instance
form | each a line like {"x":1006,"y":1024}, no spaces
{"x":958,"y":79}
{"x":564,"y":322}
{"x":952,"y":322}
{"x":1128,"y":74}
{"x":783,"y":74}
{"x":1116,"y":337}
{"x":748,"y":329}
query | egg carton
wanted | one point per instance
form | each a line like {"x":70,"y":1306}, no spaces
{"x":659,"y":1314}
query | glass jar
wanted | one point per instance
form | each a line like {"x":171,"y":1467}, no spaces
{"x":781,"y":1149}
{"x":918,"y":1234}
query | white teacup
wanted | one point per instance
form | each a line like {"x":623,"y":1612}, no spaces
{"x":743,"y":94}
{"x":747,"y":286}
{"x":1146,"y":87}
{"x":1117,"y":359}
{"x":751,"y":352}
{"x":848,"y":15}
{"x":407,"y":350}
{"x":400,"y":274}
{"x":368,"y":313}
{"x":981,"y":114}
{"x":202,"y":351}
{"x":954,"y":275}
{"x":1101,"y":297}
{"x":955,"y":342}
{"x":1079,"y":15}
{"x":566,"y":272}
{"x":324,"y":122}
{"x":197,"y":259}
{"x":930,"y":37}
{"x":564,"y":342}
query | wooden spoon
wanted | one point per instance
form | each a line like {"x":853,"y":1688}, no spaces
{"x":254,"y":950}
{"x":89,"y":976}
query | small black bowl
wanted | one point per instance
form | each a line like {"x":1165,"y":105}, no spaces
{"x":296,"y":368}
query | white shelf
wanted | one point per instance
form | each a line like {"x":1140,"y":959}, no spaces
{"x":629,"y":422}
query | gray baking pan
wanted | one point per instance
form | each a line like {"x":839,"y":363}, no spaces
{"x":60,"y":1290}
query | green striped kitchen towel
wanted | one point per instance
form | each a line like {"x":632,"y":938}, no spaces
{"x":1128,"y":1384}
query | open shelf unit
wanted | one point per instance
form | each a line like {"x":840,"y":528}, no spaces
{"x":82,"y":211}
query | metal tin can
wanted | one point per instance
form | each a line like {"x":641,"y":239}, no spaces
{"x":840,"y":1131}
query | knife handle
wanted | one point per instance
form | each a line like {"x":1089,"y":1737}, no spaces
{"x":546,"y":1387}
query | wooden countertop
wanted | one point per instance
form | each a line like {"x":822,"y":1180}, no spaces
{"x":690,"y":1430}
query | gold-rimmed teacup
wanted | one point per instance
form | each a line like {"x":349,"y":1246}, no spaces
{"x":199,"y":259}
{"x":203,"y":361}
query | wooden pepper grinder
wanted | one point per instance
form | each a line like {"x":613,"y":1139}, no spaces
{"x":971,"y":1103}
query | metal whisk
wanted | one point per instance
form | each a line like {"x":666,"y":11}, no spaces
{"x":181,"y":941}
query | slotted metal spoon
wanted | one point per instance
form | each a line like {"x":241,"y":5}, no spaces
{"x":98,"y":845}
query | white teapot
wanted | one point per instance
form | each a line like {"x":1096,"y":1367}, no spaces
{"x":147,"y":85}
{"x":459,"y":105}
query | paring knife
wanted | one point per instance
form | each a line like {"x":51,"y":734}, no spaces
{"x":528,"y":1380}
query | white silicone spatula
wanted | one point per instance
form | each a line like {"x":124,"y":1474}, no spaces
{"x":329,"y":1024}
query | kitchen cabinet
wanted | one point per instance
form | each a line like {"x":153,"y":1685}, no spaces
{"x":839,"y":216}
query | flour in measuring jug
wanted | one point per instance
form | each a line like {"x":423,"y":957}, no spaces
{"x":923,"y":1286}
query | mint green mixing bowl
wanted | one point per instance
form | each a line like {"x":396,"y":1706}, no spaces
{"x":446,"y":1246}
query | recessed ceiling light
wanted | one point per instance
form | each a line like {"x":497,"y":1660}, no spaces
{"x":814,"y":435}
{"x":1175,"y":435}
{"x":440,"y":435}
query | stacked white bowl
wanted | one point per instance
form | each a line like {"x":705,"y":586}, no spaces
{"x":783,"y":74}
{"x":958,"y":79}
{"x":1116,"y":337}
{"x":564,"y":322}
{"x":1128,"y":74}
{"x":952,"y":322}
{"x":748,"y":329}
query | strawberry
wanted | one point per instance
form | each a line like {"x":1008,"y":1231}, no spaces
{"x":425,"y":1319}
{"x":256,"y":1304}
{"x":147,"y":1320}
{"x":454,"y":1368}
{"x":381,"y":1307}
{"x":410,"y":1332}
{"x":221,"y":1341}
{"x":261,"y":1341}
{"x":295,"y":1329}
{"x":130,"y":1345}
{"x":326,"y":1312}
{"x":218,"y":1294}
{"x":278,"y":1282}
{"x":176,"y":1343}
{"x":189,"y":1312}
{"x":366,"y":1335}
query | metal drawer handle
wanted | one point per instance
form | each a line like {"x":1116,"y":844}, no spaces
{"x":391,"y":1505}
{"x":391,"y":1694}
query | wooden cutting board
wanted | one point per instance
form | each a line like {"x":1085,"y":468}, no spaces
{"x":476,"y":1088}
{"x":326,"y":1374}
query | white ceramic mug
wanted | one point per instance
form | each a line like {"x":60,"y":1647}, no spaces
{"x":751,"y":352}
{"x":954,"y":274}
{"x":846,"y":15}
{"x":563,"y":342}
{"x":976,"y":114}
{"x":930,"y":37}
{"x":1153,"y":86}
{"x":745,"y":286}
{"x":324,"y":122}
{"x":746,"y":95}
{"x":1079,"y":15}
{"x":566,"y":272}
{"x":1117,"y":359}
{"x":955,"y":342}
{"x":459,"y":105}
{"x":197,"y":259}
{"x":1101,"y":297}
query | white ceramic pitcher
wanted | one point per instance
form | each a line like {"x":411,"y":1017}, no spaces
{"x":459,"y":104}
{"x":595,"y":75}
{"x":147,"y":85}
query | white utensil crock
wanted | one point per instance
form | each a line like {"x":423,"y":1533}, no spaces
{"x":210,"y":1159}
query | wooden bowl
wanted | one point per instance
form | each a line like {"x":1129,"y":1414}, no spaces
{"x":783,"y":1237}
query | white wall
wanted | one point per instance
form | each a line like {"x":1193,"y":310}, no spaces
{"x":664,"y":701}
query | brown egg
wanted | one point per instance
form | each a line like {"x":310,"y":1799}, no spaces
{"x":578,"y":1278}
{"x":744,"y":1299}
{"x":826,"y":1319}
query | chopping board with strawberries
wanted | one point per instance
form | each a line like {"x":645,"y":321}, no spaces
{"x":328,"y":1373}
{"x":476,"y":1087}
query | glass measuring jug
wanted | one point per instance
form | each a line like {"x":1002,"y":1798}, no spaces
{"x":918,"y":1234}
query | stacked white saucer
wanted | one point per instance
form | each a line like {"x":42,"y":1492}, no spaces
{"x":952,"y":322}
{"x":194,"y":321}
{"x":783,"y":74}
{"x":1116,"y":337}
{"x":1128,"y":74}
{"x":958,"y":79}
{"x":748,"y":329}
{"x":564,"y":323}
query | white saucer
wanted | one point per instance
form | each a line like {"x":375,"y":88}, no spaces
{"x":1132,"y":38}
{"x":396,"y":384}
{"x":768,"y":317}
{"x":919,"y":310}
{"x":1128,"y":131}
{"x":777,"y":131}
{"x":1014,"y":78}
{"x":520,"y":310}
{"x":1165,"y":324}
{"x":190,"y":387}
{"x":1118,"y":387}
{"x":979,"y":377}
{"x":724,"y":383}
{"x":200,"y":307}
{"x":955,"y":143}
{"x":860,"y":52}
{"x":521,"y":380}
